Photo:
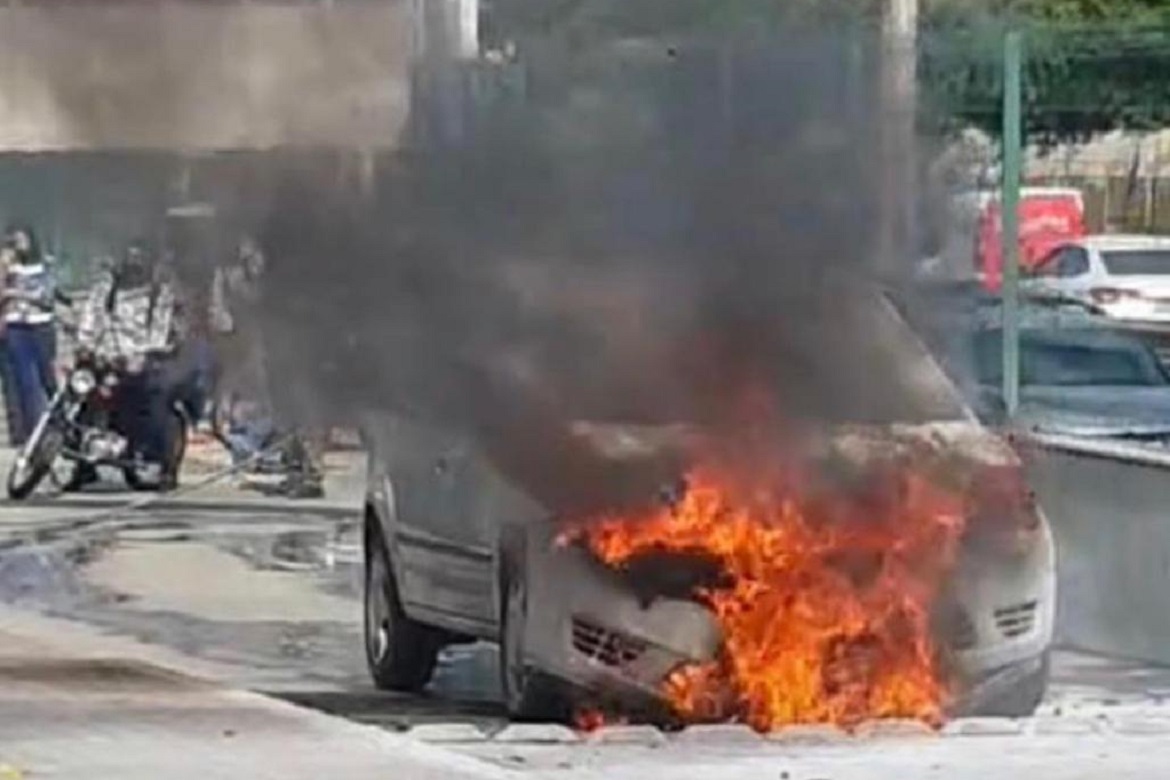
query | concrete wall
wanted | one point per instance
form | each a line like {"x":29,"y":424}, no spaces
{"x":204,"y":76}
{"x":1110,"y":510}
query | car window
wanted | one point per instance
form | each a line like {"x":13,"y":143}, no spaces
{"x":1070,"y":364}
{"x":1064,"y":263}
{"x":1145,"y":262}
{"x":1049,"y":267}
{"x":1074,"y":261}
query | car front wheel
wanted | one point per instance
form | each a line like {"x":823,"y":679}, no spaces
{"x":528,"y":693}
{"x":401,"y":653}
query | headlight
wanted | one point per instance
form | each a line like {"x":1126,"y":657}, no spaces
{"x":1006,"y":517}
{"x":82,"y":381}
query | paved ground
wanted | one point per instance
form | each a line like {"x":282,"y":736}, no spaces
{"x":727,"y":755}
{"x":82,"y":706}
{"x":258,"y":597}
{"x":74,"y":703}
{"x":280,"y":612}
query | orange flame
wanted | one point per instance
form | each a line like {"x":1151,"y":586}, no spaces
{"x":589,"y":720}
{"x":826,"y":600}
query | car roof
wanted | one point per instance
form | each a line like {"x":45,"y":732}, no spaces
{"x":1080,"y":336}
{"x":1122,"y":241}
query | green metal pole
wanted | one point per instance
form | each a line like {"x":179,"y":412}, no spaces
{"x":1013,"y":143}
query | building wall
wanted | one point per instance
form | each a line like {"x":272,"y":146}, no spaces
{"x":106,"y":106}
{"x":190,"y":76}
{"x":86,"y":205}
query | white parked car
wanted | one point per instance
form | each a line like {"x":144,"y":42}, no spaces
{"x":1124,"y":277}
{"x":455,"y":552}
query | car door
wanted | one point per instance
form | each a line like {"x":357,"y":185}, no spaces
{"x":464,"y":490}
{"x":440,"y":566}
{"x":482,"y":502}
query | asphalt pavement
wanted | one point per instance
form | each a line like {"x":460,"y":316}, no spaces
{"x":76,"y":704}
{"x":223,"y":638}
{"x":118,"y":662}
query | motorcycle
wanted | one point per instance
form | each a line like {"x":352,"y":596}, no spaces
{"x":89,"y":424}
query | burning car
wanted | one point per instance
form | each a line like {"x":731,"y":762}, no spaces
{"x":869,"y":568}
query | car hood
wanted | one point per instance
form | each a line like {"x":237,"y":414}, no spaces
{"x":859,"y":443}
{"x":1104,"y":411}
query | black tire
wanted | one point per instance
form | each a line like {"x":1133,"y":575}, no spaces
{"x":78,"y":478}
{"x":1024,"y":697}
{"x":135,"y":480}
{"x":529,"y":694}
{"x":34,"y":460}
{"x":401,"y":653}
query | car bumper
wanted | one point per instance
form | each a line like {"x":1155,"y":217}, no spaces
{"x":1007,"y":607}
{"x":586,"y":627}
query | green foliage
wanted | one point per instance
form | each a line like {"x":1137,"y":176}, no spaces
{"x":1091,"y":66}
{"x":1083,"y":11}
{"x":1067,"y":12}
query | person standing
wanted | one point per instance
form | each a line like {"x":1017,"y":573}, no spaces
{"x":263,"y":362}
{"x":233,"y":315}
{"x":291,"y":373}
{"x":7,"y":383}
{"x":30,"y":336}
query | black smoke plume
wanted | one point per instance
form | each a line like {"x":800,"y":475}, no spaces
{"x":629,"y":229}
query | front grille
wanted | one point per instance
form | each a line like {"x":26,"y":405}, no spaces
{"x":1017,"y":619}
{"x":602,"y":644}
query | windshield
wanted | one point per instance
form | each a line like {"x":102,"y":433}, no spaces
{"x":860,"y":362}
{"x":1067,"y":364}
{"x":1143,"y":262}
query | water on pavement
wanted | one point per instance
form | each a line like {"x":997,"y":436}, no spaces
{"x":276,"y":599}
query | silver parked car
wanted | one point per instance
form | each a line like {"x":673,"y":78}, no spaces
{"x":456,"y":552}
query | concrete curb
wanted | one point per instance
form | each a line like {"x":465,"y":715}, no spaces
{"x":738,"y":736}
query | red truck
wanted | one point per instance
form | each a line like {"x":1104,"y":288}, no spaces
{"x":1048,"y":216}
